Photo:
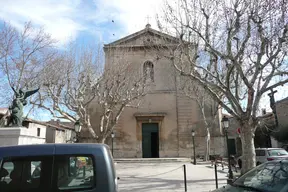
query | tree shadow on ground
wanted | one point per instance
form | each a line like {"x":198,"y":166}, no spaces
{"x":223,"y":171}
{"x":159,"y":184}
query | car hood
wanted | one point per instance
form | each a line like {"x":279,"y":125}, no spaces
{"x":229,"y":188}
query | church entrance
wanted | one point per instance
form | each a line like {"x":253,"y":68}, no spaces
{"x":150,"y":140}
{"x":232,"y":146}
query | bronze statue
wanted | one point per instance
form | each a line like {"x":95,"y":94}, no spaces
{"x":18,"y":104}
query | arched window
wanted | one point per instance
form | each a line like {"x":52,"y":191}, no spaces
{"x":148,"y":71}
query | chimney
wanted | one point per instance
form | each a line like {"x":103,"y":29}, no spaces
{"x":263,"y":111}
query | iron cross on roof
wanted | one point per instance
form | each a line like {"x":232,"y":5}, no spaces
{"x":148,"y":19}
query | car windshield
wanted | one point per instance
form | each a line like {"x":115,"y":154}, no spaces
{"x":272,"y":176}
{"x":277,"y":152}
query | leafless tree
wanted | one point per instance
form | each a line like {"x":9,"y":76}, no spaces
{"x":236,"y":50}
{"x":209,"y":109}
{"x":122,"y":86}
{"x":76,"y":87}
{"x":23,"y":55}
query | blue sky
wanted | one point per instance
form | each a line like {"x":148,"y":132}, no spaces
{"x":90,"y":21}
{"x":82,"y":20}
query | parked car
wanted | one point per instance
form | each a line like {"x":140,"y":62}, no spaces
{"x":267,"y":154}
{"x":51,"y":167}
{"x":271,"y":176}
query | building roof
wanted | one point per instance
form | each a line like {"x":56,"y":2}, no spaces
{"x":146,"y":30}
{"x":62,"y":124}
{"x":282,"y":100}
{"x":268,"y":114}
{"x":52,"y":124}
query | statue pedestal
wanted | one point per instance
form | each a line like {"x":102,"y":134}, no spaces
{"x":18,"y":136}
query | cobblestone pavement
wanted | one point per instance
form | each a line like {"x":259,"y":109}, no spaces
{"x":167,"y":177}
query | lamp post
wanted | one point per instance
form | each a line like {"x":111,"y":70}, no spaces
{"x":77,"y":129}
{"x":193,"y":139}
{"x":225,"y":122}
{"x":112,"y":136}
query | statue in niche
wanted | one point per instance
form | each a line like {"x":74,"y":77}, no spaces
{"x":149,"y":71}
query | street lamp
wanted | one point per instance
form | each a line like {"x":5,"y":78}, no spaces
{"x":112,"y":136}
{"x":225,"y":122}
{"x":193,"y":139}
{"x":77,"y":129}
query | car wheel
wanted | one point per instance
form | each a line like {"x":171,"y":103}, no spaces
{"x":258,"y":163}
{"x":240,"y":163}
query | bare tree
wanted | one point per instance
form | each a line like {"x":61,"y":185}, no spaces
{"x":236,"y":50}
{"x":23,"y":55}
{"x":209,"y":109}
{"x":122,"y":87}
{"x":76,"y":87}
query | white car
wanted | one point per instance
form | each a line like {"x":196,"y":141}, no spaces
{"x":267,"y":154}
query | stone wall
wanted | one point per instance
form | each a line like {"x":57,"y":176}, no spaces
{"x":33,"y":129}
{"x":175,"y":113}
{"x":217,"y":147}
{"x":129,"y":128}
{"x":282,"y":111}
{"x":19,"y":136}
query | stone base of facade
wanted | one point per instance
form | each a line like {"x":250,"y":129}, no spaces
{"x":134,"y":150}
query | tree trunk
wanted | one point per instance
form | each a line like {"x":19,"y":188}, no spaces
{"x":102,"y":140}
{"x":207,"y":150}
{"x":248,"y":148}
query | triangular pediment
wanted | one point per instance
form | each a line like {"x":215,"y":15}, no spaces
{"x":145,"y":37}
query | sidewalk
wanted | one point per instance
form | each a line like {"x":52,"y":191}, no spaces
{"x":167,"y":177}
{"x":150,"y":160}
{"x":219,"y":167}
{"x":219,"y":170}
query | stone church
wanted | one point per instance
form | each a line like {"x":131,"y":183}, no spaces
{"x":161,"y":126}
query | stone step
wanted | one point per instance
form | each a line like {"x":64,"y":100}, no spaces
{"x":151,"y":160}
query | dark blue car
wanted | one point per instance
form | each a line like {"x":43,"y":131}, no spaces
{"x":54,"y":167}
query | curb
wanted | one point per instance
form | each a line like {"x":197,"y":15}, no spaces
{"x":152,"y":160}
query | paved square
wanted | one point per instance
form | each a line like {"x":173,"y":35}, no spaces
{"x":167,"y":177}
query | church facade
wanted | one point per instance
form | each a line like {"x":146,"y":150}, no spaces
{"x":161,"y":125}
